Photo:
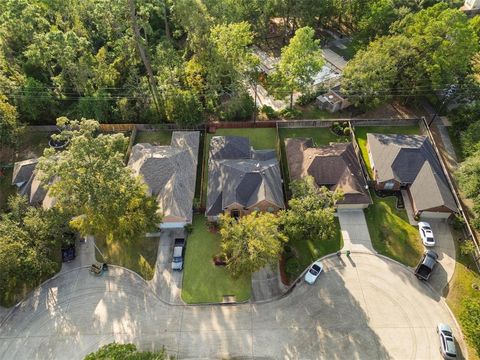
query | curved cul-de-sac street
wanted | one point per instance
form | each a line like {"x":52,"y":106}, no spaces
{"x":367,"y":307}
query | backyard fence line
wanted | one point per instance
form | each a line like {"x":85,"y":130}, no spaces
{"x":455,"y":191}
{"x":356,"y":148}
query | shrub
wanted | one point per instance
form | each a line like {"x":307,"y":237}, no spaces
{"x":269,"y":112}
{"x":290,"y":113}
{"x":347,"y":131}
{"x":240,"y":107}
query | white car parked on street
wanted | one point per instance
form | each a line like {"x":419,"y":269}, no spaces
{"x":313,"y":272}
{"x":426,"y":233}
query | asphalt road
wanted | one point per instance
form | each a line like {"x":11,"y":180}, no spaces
{"x":363,"y":308}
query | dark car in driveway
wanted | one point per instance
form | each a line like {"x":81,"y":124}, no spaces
{"x":426,"y":265}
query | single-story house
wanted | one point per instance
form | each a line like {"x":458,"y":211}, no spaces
{"x":240,"y":179}
{"x":333,"y":100}
{"x":170,"y":174}
{"x":26,"y":178}
{"x":409,"y":162}
{"x":335,"y":166}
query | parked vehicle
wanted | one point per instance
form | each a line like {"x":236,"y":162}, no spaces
{"x":426,"y":265}
{"x":313,"y":272}
{"x":178,"y":254}
{"x":426,"y":233}
{"x":447,"y":341}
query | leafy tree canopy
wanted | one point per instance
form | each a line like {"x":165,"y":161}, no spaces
{"x":90,"y":181}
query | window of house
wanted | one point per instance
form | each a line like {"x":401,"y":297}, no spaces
{"x":270,"y":209}
{"x":389,"y":185}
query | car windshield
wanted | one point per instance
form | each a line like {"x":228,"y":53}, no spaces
{"x":177,"y":259}
{"x":313,"y":271}
{"x":427,"y":228}
{"x":448,"y":333}
{"x":430,"y":239}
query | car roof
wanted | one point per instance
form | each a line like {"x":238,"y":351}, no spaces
{"x":177,"y":251}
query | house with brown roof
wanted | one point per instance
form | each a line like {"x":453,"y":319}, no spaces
{"x":335,"y":166}
{"x":240,"y":179}
{"x":409,"y":162}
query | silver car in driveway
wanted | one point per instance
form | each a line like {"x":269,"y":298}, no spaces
{"x":447,"y":341}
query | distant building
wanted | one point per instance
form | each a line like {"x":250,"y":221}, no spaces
{"x":333,"y":100}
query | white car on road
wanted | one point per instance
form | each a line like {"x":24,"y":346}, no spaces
{"x":313,"y":272}
{"x":426,"y":233}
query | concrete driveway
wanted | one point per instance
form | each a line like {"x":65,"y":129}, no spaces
{"x":445,"y":248}
{"x":363,"y":308}
{"x":355,"y":231}
{"x":166,"y":283}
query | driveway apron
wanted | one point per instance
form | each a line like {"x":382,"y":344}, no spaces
{"x":355,"y":231}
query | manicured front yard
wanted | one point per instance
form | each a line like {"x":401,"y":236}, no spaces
{"x":304,"y":252}
{"x":361,"y":136}
{"x":391,"y":233}
{"x":138,"y":255}
{"x":202,"y":280}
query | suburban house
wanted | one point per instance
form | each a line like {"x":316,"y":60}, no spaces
{"x":170,"y":174}
{"x":25,"y":177}
{"x":334,"y":166}
{"x":409,"y":162}
{"x":242,"y":180}
{"x":333,"y":100}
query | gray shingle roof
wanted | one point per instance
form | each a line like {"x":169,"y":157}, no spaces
{"x":238,"y":174}
{"x":23,"y":171}
{"x":335,"y":166}
{"x":170,"y":172}
{"x":411,"y":159}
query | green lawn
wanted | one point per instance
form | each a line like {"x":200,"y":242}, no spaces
{"x":202,"y":280}
{"x":460,"y":287}
{"x":159,"y":137}
{"x":305,"y":252}
{"x":260,"y":138}
{"x":361,"y":136}
{"x":138,"y":255}
{"x":391,"y":233}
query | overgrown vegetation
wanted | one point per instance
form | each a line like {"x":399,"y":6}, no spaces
{"x":115,"y":351}
{"x":30,"y":243}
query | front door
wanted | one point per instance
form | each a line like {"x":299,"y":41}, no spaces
{"x":235,"y":214}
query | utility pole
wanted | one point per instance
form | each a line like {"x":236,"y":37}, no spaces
{"x":451,"y":90}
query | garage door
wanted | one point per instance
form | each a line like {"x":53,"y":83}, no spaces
{"x":172,"y":225}
{"x":434,"y":215}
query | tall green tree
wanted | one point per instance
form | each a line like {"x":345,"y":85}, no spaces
{"x":299,"y":62}
{"x":90,"y":181}
{"x":30,"y":240}
{"x":426,"y":53}
{"x":251,"y":243}
{"x":310,"y":215}
{"x":10,"y":126}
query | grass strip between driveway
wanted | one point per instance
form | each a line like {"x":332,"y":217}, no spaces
{"x":391,"y":233}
